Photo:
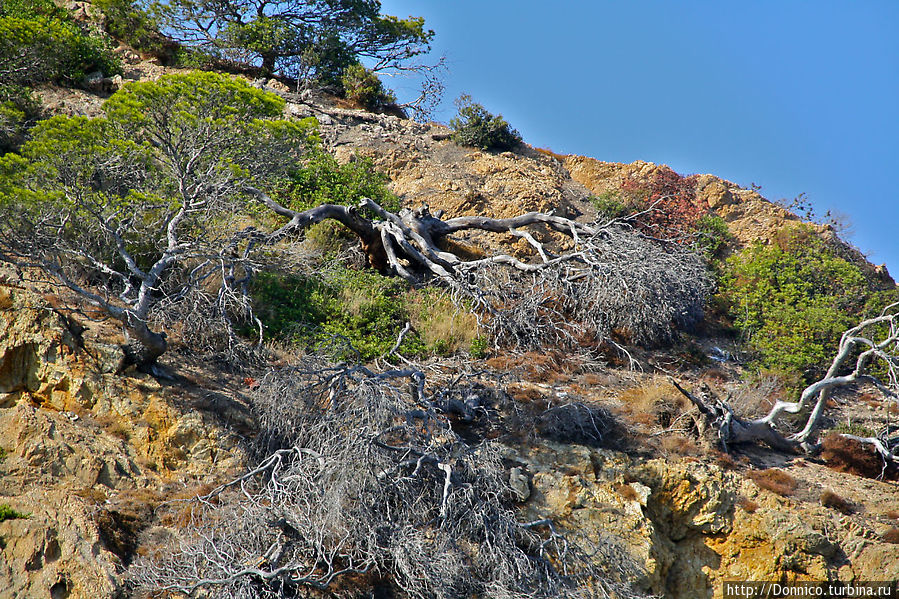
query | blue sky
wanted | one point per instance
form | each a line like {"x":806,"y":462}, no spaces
{"x":795,"y":96}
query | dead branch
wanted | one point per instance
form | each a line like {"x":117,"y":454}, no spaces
{"x":873,"y":342}
{"x":611,"y":278}
{"x":360,"y":472}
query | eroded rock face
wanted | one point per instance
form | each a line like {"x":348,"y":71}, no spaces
{"x":81,"y":440}
{"x":57,"y":551}
{"x":690,"y":526}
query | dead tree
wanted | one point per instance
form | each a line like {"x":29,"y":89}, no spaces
{"x":872,"y":344}
{"x":610,"y":277}
{"x":360,"y":477}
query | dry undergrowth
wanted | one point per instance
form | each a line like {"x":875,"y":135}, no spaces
{"x":656,"y":403}
{"x":774,"y":480}
{"x":832,"y":500}
{"x":549,"y":366}
{"x":853,"y":457}
{"x":747,"y":505}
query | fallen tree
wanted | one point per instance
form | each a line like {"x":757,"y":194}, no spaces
{"x":867,"y":353}
{"x":610,"y":277}
{"x":158,"y":213}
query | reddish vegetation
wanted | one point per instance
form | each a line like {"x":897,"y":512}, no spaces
{"x":747,"y":505}
{"x":891,"y":536}
{"x":776,"y":481}
{"x":725,"y":460}
{"x":626,"y":491}
{"x":672,"y":198}
{"x":849,"y":455}
{"x":832,"y":500}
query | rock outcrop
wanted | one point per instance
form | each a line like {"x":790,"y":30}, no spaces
{"x":689,"y":526}
{"x":86,"y":449}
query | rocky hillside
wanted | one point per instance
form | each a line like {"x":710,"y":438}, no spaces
{"x":97,"y":459}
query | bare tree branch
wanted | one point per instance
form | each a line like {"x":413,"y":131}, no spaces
{"x":874,"y":341}
{"x":361,"y":472}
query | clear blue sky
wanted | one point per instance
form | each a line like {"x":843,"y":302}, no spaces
{"x":795,"y":96}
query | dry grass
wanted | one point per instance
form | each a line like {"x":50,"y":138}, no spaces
{"x":832,"y":500}
{"x":593,"y":379}
{"x":121,"y":521}
{"x":755,"y":399}
{"x":442,"y":325}
{"x":550,"y":366}
{"x":681,"y":445}
{"x":714,"y":376}
{"x":527,"y":394}
{"x":774,"y":480}
{"x":116,"y":426}
{"x":657,"y":399}
{"x":747,"y":505}
{"x":93,"y":494}
{"x":184,"y":511}
{"x":548,"y":152}
{"x":725,"y":460}
{"x":891,"y":536}
{"x":848,"y":455}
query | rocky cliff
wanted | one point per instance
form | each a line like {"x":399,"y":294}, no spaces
{"x":91,"y":451}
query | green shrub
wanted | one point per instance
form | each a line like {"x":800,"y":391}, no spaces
{"x":475,"y":127}
{"x":712,"y":235}
{"x":8,"y":513}
{"x":479,"y":347}
{"x":17,"y":109}
{"x":40,"y":42}
{"x":365,"y":88}
{"x":362,"y":308}
{"x":793,"y":299}
{"x":322,"y":180}
{"x":129,"y":22}
{"x":854,"y":428}
{"x":609,"y":205}
{"x":49,"y":47}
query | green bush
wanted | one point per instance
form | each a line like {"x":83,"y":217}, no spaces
{"x":365,"y":88}
{"x":129,"y":22}
{"x":609,"y":205}
{"x":8,"y":513}
{"x":475,"y":127}
{"x":18,"y":108}
{"x":362,"y":308}
{"x":712,"y":235}
{"x":792,"y":299}
{"x":39,"y":42}
{"x":323,"y":180}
